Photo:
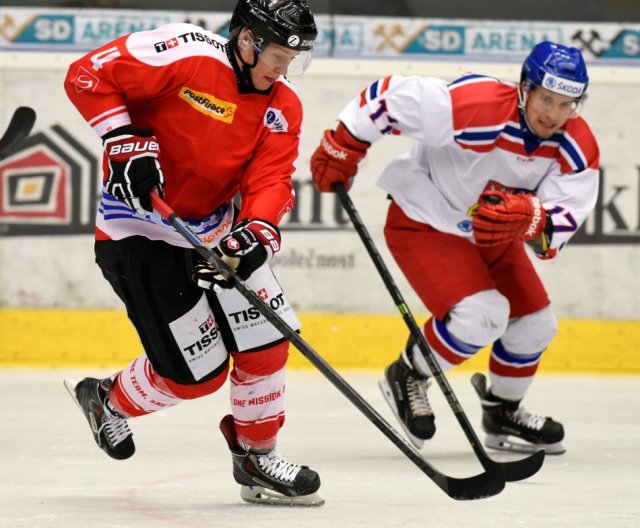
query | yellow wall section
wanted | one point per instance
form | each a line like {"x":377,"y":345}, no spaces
{"x":104,"y":338}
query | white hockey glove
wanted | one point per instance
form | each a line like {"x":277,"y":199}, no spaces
{"x":250,"y":244}
{"x":134,"y":170}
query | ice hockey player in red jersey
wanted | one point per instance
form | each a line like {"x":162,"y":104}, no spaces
{"x":200,"y":119}
{"x":494,"y":165}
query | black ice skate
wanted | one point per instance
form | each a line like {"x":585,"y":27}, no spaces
{"x":406,"y":393}
{"x":510,"y":427}
{"x":110,"y":430}
{"x":266,"y":478}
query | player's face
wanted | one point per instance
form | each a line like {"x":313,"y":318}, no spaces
{"x":548,"y":111}
{"x":273,"y":61}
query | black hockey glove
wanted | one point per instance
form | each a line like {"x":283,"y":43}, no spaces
{"x":134,"y":170}
{"x":250,"y":244}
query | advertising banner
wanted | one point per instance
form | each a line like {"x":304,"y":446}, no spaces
{"x":41,"y":29}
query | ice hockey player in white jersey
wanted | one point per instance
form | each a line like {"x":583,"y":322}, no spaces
{"x":495,"y":165}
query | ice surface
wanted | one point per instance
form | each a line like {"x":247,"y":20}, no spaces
{"x":52,"y":475}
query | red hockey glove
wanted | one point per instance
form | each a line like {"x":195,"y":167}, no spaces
{"x":500,"y":217}
{"x":134,"y":170}
{"x":336,"y":159}
{"x":250,"y":244}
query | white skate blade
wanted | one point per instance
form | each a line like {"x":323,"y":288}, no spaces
{"x":517,"y":445}
{"x":70,"y":385}
{"x":388,"y":395}
{"x":259,"y":495}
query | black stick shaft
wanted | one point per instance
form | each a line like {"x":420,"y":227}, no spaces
{"x":410,"y":321}
{"x":479,"y":486}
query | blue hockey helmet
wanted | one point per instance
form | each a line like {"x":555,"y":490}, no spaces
{"x":559,"y":69}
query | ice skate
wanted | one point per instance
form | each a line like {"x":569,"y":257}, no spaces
{"x":406,"y":393}
{"x":110,"y":430}
{"x":510,"y":427}
{"x":266,"y":478}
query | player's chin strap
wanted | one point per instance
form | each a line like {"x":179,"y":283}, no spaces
{"x":515,"y":470}
{"x":241,"y":68}
{"x":485,"y":484}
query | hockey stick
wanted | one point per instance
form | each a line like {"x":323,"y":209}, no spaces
{"x":19,"y":128}
{"x":514,"y":470}
{"x":485,"y":484}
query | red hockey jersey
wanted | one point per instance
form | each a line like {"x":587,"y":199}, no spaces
{"x":214,"y":141}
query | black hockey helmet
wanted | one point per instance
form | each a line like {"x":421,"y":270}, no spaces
{"x":289,"y":23}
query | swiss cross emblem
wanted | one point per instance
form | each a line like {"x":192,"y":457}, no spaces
{"x":233,"y":244}
{"x":263,"y":294}
{"x":172,"y":43}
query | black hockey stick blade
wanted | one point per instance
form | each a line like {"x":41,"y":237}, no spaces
{"x":18,"y":130}
{"x":486,"y":484}
{"x":512,"y":471}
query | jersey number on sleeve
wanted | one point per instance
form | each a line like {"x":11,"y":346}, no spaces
{"x":104,"y":56}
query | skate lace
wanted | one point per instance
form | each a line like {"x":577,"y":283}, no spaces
{"x":115,"y":427}
{"x":529,"y":420}
{"x":275,"y":466}
{"x":417,"y":394}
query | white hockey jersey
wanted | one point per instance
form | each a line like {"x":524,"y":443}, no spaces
{"x":470,"y":137}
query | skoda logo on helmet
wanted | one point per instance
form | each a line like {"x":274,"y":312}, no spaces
{"x":562,"y":85}
{"x":293,"y":41}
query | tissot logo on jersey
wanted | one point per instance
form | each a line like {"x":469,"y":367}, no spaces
{"x":209,"y":104}
{"x":186,"y":38}
{"x":210,"y":334}
{"x":244,"y":316}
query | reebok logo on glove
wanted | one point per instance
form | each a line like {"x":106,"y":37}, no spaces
{"x":532,"y":231}
{"x":333,"y":151}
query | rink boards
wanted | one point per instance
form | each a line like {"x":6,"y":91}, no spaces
{"x":57,"y":310}
{"x":105,"y":338}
